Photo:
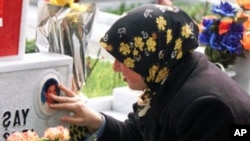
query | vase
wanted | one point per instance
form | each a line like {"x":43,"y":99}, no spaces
{"x":242,"y":70}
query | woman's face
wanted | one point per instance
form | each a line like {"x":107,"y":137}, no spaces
{"x":133,"y":79}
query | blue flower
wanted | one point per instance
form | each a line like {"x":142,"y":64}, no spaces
{"x":215,"y":42}
{"x":224,"y":9}
{"x":204,"y":37}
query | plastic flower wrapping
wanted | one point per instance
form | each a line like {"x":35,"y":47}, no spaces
{"x":226,"y":33}
{"x":58,"y":133}
{"x":64,"y":27}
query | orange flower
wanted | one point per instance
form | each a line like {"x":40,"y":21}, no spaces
{"x":244,"y":4}
{"x":246,"y":18}
{"x":224,"y":26}
{"x":245,"y":41}
{"x":247,"y":24}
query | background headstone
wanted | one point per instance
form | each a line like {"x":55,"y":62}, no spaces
{"x":12,"y":30}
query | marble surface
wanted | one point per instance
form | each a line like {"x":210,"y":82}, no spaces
{"x":21,"y":83}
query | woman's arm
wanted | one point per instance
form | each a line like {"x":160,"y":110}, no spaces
{"x":121,"y":131}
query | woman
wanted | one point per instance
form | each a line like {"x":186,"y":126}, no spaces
{"x":185,"y":97}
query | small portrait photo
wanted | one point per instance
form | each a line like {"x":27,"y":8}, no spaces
{"x":49,"y":88}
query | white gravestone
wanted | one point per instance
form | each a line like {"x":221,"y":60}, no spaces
{"x":22,"y":85}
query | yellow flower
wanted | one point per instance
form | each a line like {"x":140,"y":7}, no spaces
{"x":124,"y":48}
{"x":186,"y":31}
{"x":61,"y":2}
{"x":73,"y":17}
{"x":152,"y":72}
{"x":162,"y":74}
{"x":107,"y":47}
{"x":129,"y":62}
{"x":161,"y":23}
{"x":139,"y":43}
{"x":135,"y":52}
{"x":79,"y":7}
{"x":178,"y":48}
{"x":151,"y":44}
{"x":169,"y":36}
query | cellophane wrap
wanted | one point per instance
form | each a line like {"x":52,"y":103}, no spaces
{"x":66,"y":30}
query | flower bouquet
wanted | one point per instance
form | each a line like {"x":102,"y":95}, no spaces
{"x":64,"y":27}
{"x":58,"y":133}
{"x":226,"y":33}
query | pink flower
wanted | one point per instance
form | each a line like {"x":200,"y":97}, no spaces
{"x":57,"y":133}
{"x":23,"y":136}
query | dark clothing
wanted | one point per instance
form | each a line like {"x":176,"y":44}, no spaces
{"x":197,"y":102}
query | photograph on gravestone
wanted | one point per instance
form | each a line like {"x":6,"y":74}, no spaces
{"x":47,"y":87}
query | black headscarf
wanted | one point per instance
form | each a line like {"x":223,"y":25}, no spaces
{"x":151,"y":39}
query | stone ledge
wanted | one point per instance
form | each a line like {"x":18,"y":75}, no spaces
{"x":118,"y":105}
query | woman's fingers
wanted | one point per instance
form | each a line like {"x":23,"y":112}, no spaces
{"x":67,"y":91}
{"x":73,"y":120}
{"x":63,"y":99}
{"x":71,"y":107}
{"x":66,"y":103}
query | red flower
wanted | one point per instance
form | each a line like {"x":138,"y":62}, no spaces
{"x":224,"y":26}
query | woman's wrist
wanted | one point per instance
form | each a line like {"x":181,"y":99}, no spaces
{"x":98,"y":133}
{"x":95,"y":124}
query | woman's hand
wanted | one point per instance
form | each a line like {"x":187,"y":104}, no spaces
{"x":82,"y":115}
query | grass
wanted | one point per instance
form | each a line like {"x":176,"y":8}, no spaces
{"x":102,"y":80}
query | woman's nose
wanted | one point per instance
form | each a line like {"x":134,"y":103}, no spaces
{"x":116,"y":66}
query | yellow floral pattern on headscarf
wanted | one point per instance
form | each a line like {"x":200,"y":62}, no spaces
{"x":161,"y":23}
{"x":151,"y":44}
{"x":152,"y":72}
{"x":135,"y":52}
{"x":105,"y":46}
{"x":162,"y":74}
{"x":139,"y":43}
{"x":186,"y":31}
{"x":169,"y":36}
{"x":124,"y":49}
{"x":178,"y":48}
{"x":129,"y":62}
